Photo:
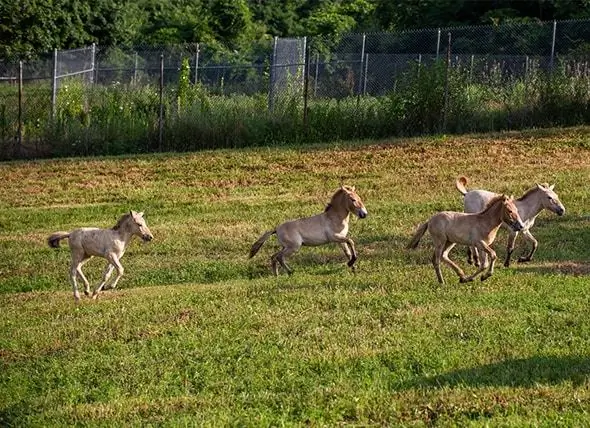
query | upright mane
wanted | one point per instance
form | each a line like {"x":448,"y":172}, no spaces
{"x":122,"y":220}
{"x":531,"y":191}
{"x":493,"y":202}
{"x":336,"y":195}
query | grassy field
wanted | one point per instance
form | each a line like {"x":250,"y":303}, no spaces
{"x":198,"y":334}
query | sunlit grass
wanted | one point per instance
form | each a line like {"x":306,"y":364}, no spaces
{"x":198,"y":334}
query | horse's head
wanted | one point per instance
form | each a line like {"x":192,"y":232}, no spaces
{"x":550,"y":200}
{"x":510,"y":214}
{"x":139,"y":226}
{"x":353,"y":201}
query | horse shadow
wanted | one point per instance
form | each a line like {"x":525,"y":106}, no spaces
{"x":522,"y":372}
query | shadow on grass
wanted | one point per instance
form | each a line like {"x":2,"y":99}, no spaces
{"x":525,"y":372}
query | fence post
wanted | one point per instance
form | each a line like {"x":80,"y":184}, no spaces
{"x":19,"y":138}
{"x":161,"y":117}
{"x":553,"y":46}
{"x":93,"y":64}
{"x":362,"y":63}
{"x":446,"y":104}
{"x":54,"y":85}
{"x":438,"y":44}
{"x":197,"y":63}
{"x":272,"y":72}
{"x":305,"y":82}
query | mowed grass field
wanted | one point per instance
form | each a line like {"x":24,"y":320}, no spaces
{"x":198,"y":334}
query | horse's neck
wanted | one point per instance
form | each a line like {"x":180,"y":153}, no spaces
{"x":337,"y":214}
{"x":493,"y":215}
{"x":124,"y":235}
{"x":530,"y":206}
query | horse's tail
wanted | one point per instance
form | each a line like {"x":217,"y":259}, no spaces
{"x":54,"y":238}
{"x":256,"y":246}
{"x":460,"y":184}
{"x":417,"y":236}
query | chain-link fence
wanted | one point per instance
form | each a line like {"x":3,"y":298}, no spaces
{"x":97,"y":100}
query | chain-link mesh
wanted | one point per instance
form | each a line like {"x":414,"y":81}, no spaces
{"x":110,"y":100}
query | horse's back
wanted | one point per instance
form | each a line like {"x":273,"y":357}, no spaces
{"x":309,"y":231}
{"x":476,"y":200}
{"x":452,"y":226}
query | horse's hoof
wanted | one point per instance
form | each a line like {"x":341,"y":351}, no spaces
{"x":464,"y":280}
{"x":524,"y":259}
{"x":483,"y":277}
{"x":94,"y":296}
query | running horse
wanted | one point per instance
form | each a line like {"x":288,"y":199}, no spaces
{"x":110,"y":244}
{"x":448,"y":228}
{"x":529,"y":205}
{"x":329,"y":226}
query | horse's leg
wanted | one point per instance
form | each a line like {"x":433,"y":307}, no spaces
{"x":482,"y":251}
{"x":470,"y":255}
{"x":114,"y":263}
{"x":436,"y":257}
{"x":279,"y":257}
{"x":489,"y":250}
{"x":82,"y":277}
{"x":531,"y":238}
{"x":348,"y":247}
{"x":73,"y":272}
{"x":445,"y":257}
{"x":510,"y":247}
{"x":476,"y":256}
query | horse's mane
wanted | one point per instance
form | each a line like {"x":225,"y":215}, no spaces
{"x":336,"y":195}
{"x":492,"y":202}
{"x":531,"y":191}
{"x":122,"y":220}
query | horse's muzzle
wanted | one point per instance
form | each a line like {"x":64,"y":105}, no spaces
{"x":517,"y":226}
{"x":362,"y":213}
{"x":560,"y":211}
{"x":147,"y":238}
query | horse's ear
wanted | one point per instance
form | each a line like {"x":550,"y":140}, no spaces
{"x":551,"y":187}
{"x":140,"y":214}
{"x":353,"y":188}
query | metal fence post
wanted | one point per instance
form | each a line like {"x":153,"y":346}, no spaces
{"x":553,"y":46}
{"x":438,"y":44}
{"x":362,"y":63}
{"x":161,"y":117}
{"x":54,"y":85}
{"x":446,"y":103}
{"x":93,"y":64}
{"x":272,"y":74}
{"x":19,"y":139}
{"x":305,"y":82}
{"x":197,"y":63}
{"x":272,"y":71}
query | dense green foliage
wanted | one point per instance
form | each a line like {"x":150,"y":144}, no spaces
{"x":34,"y":27}
{"x":198,"y":335}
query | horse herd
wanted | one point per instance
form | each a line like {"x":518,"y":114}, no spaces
{"x":484,"y":213}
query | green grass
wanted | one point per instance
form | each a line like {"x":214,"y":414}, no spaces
{"x":198,"y":334}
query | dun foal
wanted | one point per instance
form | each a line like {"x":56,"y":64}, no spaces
{"x":329,"y":226}
{"x":529,"y":205}
{"x":478,"y":230}
{"x":110,"y":244}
